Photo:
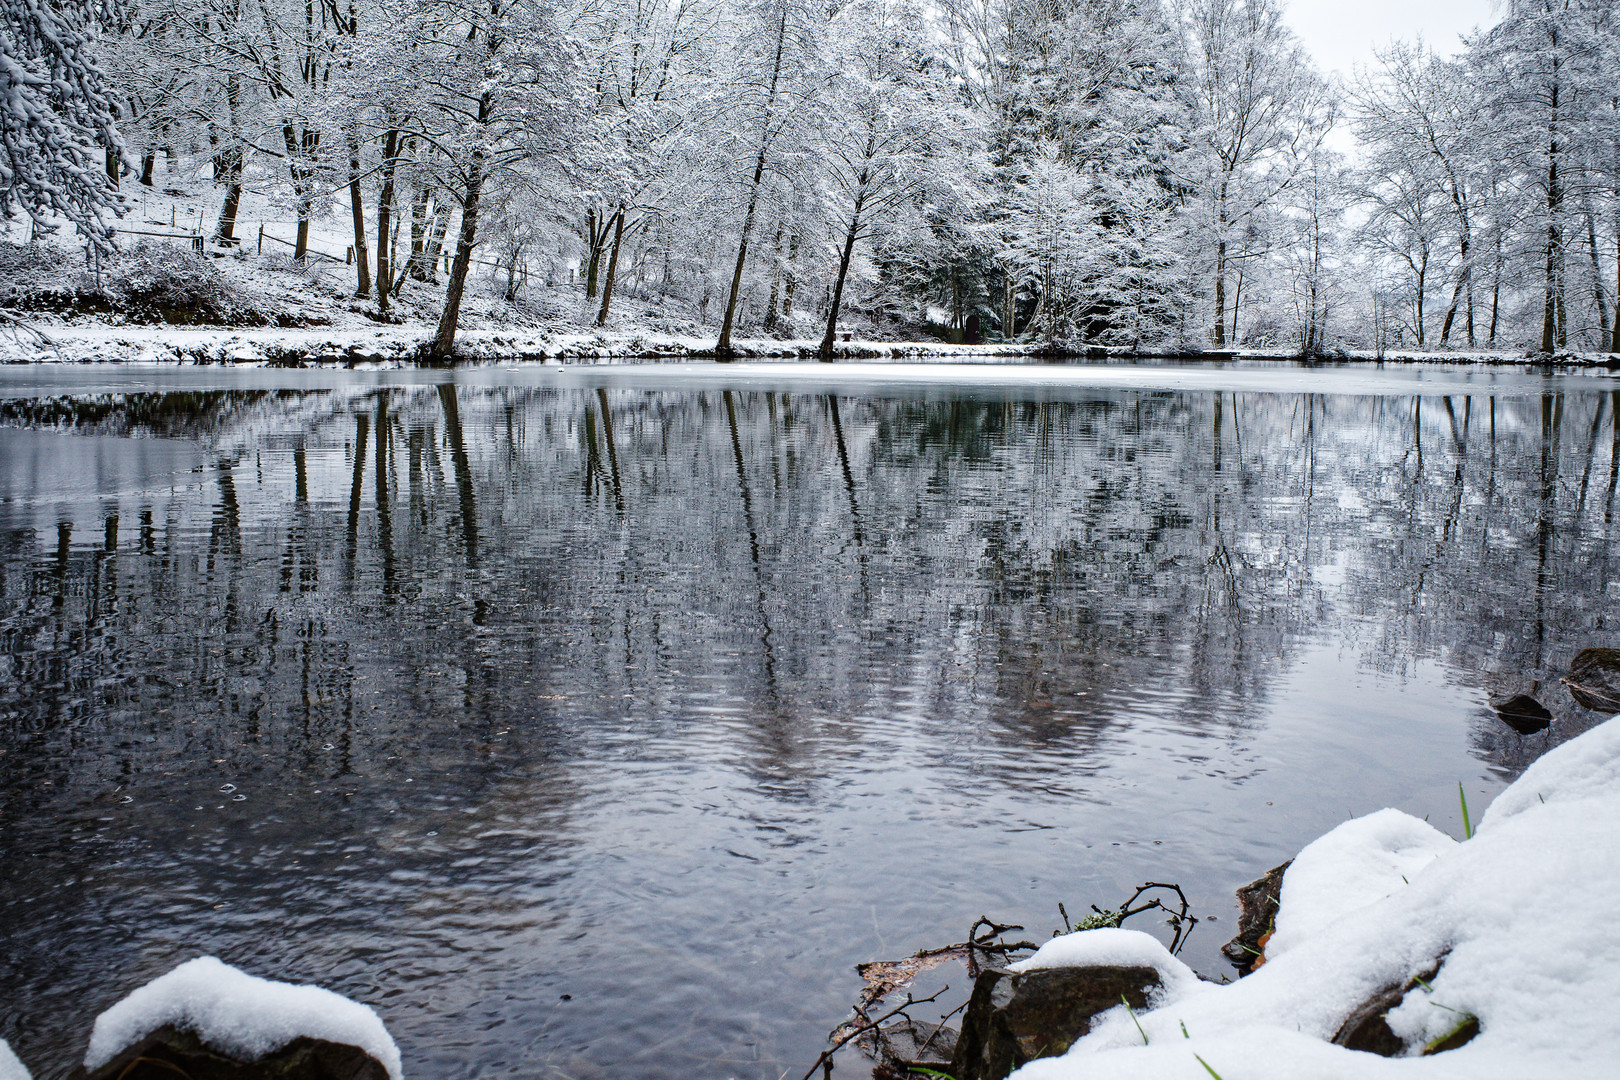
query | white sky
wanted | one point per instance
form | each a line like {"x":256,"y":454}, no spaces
{"x":1343,"y":33}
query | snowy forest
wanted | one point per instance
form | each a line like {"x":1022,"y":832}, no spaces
{"x":1170,"y":175}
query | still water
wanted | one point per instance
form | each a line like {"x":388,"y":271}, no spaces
{"x":595,"y":724}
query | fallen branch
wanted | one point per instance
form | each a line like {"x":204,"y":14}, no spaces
{"x":870,"y":1025}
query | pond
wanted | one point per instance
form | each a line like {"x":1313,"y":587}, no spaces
{"x":596,"y":723}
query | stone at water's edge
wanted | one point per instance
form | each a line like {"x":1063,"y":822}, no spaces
{"x":168,"y":1053}
{"x":1257,"y":915}
{"x":1014,"y":1019}
{"x":1594,"y":679}
{"x":1524,"y":714}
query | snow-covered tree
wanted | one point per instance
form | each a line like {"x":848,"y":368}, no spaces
{"x":57,"y":117}
{"x":1259,"y":111}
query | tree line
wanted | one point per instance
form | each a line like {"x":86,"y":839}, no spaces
{"x":1145,"y":173}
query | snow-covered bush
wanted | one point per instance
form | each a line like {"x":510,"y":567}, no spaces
{"x":149,"y":283}
{"x":166,"y":283}
{"x":29,"y":270}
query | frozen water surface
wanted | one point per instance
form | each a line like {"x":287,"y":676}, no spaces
{"x":597,"y":721}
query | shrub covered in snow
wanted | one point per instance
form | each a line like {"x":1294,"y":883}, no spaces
{"x":166,"y":283}
{"x":152,"y":283}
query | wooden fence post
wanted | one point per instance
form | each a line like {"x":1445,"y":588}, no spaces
{"x":261,"y":238}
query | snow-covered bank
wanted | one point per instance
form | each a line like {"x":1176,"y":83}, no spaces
{"x":400,"y":344}
{"x":1519,"y":920}
{"x":95,"y":342}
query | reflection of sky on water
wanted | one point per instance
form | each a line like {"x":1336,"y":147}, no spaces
{"x":683,"y":700}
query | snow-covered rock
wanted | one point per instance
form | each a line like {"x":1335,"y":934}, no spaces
{"x":238,"y":1015}
{"x":1111,"y":947}
{"x":1520,"y":919}
{"x":11,"y":1068}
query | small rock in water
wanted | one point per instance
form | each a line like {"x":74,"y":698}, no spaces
{"x":1524,"y":714}
{"x":1594,"y":680}
{"x":169,"y":1052}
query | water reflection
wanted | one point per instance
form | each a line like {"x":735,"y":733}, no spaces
{"x":682,"y":701}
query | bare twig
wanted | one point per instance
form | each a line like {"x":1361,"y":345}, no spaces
{"x":939,"y":1027}
{"x":827,"y":1055}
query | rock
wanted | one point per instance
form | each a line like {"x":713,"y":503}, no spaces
{"x":1257,"y":904}
{"x":1594,"y":680}
{"x":1367,"y":1029}
{"x":1524,"y":714}
{"x":907,"y":1042}
{"x":169,"y":1052}
{"x":1014,"y":1019}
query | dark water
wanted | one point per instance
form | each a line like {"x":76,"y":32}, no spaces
{"x":681,"y":696}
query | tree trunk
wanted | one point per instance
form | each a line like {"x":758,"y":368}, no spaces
{"x":232,"y":158}
{"x":1220,"y":265}
{"x":358,"y":210}
{"x":1614,"y":334}
{"x":1464,"y":275}
{"x":790,"y":279}
{"x":1422,"y":288}
{"x":826,"y":350}
{"x":444,"y":341}
{"x":1009,"y":314}
{"x":1599,"y":293}
{"x":722,"y":348}
{"x":148,"y":166}
{"x":419,"y":230}
{"x":385,"y":215}
{"x":435,"y":244}
{"x":1237,"y":300}
{"x":613,"y":267}
{"x":1496,"y":292}
{"x":776,"y":283}
{"x":225,"y":231}
{"x":1552,"y":288}
{"x":596,"y":238}
{"x":296,"y":146}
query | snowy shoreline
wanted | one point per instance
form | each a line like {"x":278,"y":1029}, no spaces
{"x":401,"y":345}
{"x":1460,"y":945}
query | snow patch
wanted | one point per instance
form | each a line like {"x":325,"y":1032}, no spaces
{"x":1357,"y":864}
{"x":1522,"y":915}
{"x":11,"y":1067}
{"x":238,"y":1014}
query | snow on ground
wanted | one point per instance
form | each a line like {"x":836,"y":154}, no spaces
{"x":238,"y":1014}
{"x":1523,"y":915}
{"x":87,"y":342}
{"x":10,"y":1067}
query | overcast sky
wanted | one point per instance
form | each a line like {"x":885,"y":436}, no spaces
{"x":1343,"y":33}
